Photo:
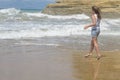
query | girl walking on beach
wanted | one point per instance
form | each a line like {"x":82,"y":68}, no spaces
{"x":95,"y":31}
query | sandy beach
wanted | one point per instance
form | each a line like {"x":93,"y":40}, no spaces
{"x":20,"y":61}
{"x":37,"y":46}
{"x":46,"y":40}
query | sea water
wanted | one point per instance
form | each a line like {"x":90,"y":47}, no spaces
{"x":33,"y":24}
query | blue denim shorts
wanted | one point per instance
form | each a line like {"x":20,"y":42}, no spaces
{"x":95,"y":32}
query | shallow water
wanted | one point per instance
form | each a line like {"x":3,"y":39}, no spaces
{"x":36,"y":46}
{"x":24,"y":24}
{"x":21,"y":60}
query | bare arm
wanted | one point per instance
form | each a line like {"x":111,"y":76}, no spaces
{"x":92,"y":24}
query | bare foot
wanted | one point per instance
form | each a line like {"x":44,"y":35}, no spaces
{"x":87,"y":55}
{"x":99,"y":57}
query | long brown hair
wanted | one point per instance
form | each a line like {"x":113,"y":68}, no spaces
{"x":97,"y":11}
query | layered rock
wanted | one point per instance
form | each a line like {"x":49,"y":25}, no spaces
{"x":68,"y":7}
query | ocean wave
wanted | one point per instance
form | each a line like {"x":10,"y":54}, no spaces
{"x":10,"y":11}
{"x":30,"y":25}
{"x":77,"y":16}
{"x":50,"y":31}
{"x":40,"y":34}
{"x":46,"y":31}
{"x":26,"y":43}
{"x":16,"y":14}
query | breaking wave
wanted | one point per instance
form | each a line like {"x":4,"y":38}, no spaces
{"x":17,"y":24}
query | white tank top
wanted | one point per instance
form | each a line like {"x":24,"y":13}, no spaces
{"x":97,"y":26}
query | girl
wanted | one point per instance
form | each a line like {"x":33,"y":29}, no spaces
{"x":95,"y":31}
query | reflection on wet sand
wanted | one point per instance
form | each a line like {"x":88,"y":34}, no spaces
{"x":96,"y":71}
{"x":55,"y":63}
{"x":92,"y":69}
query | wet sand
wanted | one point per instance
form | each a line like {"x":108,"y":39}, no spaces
{"x":107,"y":68}
{"x":41,"y":62}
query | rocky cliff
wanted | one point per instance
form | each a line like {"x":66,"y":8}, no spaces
{"x":68,"y":7}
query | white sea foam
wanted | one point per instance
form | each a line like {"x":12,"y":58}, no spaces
{"x":51,"y":31}
{"x":45,"y":32}
{"x":49,"y":25}
{"x":10,"y":11}
{"x":37,"y":44}
{"x":78,"y":16}
{"x":13,"y":11}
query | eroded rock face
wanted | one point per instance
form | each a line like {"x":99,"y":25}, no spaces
{"x":68,"y":7}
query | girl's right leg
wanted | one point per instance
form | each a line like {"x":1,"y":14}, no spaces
{"x":91,"y":49}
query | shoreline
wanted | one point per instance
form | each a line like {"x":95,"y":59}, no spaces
{"x":29,"y":62}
